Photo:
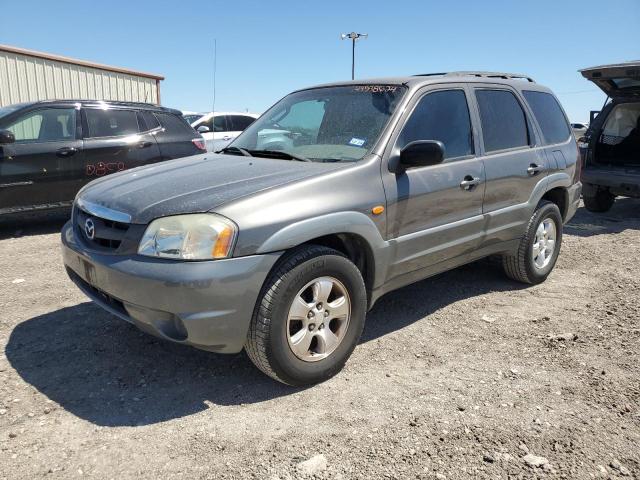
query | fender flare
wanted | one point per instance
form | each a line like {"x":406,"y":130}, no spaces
{"x":351,"y":222}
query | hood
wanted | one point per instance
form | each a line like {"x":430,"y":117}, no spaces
{"x":619,"y":80}
{"x":194,"y":184}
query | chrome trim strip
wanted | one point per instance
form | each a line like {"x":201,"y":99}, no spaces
{"x":103,"y":212}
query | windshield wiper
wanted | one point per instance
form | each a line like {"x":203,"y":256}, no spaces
{"x":280,"y":153}
{"x":235,"y":149}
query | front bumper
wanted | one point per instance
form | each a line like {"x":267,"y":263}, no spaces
{"x":204,"y":304}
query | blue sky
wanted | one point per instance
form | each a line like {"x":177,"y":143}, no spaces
{"x":268,"y":48}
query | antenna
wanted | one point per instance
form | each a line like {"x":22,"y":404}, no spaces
{"x":215,"y":58}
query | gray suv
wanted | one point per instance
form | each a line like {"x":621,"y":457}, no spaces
{"x":283,"y":251}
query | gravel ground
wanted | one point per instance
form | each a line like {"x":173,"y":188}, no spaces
{"x":465,"y":375}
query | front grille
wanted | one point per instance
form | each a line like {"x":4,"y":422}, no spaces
{"x":99,"y":232}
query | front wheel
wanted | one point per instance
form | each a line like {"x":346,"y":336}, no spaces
{"x":538,"y":250}
{"x":309,"y":317}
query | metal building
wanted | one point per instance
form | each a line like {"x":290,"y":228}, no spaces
{"x":27,"y":75}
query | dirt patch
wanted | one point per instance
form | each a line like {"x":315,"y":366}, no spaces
{"x":463,"y":375}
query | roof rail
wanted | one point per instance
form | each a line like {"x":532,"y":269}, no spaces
{"x":505,"y":76}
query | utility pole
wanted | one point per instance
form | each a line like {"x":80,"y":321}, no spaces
{"x":353,"y":36}
{"x":215,"y":61}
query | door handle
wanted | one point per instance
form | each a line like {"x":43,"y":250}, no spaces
{"x":66,"y":151}
{"x":534,"y":169}
{"x":226,"y":137}
{"x":144,"y":144}
{"x":469,"y":182}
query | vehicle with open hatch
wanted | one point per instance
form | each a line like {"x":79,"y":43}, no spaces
{"x":611,"y":145}
{"x":283,"y":251}
{"x":50,"y":149}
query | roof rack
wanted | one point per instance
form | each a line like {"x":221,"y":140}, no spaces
{"x":505,"y":76}
{"x":90,"y":100}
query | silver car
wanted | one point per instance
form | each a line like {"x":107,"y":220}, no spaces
{"x":282,"y":250}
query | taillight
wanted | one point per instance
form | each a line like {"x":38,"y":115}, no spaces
{"x":200,"y":144}
{"x":579,"y":161}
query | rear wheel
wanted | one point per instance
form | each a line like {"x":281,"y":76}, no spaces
{"x":309,"y":317}
{"x":600,"y":202}
{"x":539,"y":247}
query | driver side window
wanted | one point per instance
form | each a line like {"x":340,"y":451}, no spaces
{"x":443,"y":116}
{"x":46,"y":125}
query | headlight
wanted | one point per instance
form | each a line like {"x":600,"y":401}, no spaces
{"x":198,"y":236}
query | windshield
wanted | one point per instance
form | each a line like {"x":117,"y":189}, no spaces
{"x":324,"y":124}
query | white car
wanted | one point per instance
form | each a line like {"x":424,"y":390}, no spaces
{"x":192,"y":117}
{"x":221,"y":128}
{"x":579,"y":128}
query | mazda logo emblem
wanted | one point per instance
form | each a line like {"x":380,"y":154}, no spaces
{"x":89,"y":229}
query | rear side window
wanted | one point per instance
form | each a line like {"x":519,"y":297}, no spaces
{"x":504,"y":124}
{"x":549,"y":116}
{"x":239,"y":122}
{"x":150,"y":120}
{"x":442,"y":116}
{"x":174,"y":124}
{"x":111,"y":123}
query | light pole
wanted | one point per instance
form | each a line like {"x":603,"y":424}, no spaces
{"x":353,"y":36}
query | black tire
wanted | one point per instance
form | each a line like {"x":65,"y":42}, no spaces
{"x":519,"y":265}
{"x":267,"y":344}
{"x":601,"y":202}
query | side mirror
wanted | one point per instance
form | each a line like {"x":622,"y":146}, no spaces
{"x":422,"y":153}
{"x":6,"y":136}
{"x":203,"y":129}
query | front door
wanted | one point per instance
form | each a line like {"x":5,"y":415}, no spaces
{"x":434,"y":213}
{"x":218,"y":135}
{"x":44,"y":166}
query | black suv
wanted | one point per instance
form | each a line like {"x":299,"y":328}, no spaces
{"x":50,"y":149}
{"x":611,"y":146}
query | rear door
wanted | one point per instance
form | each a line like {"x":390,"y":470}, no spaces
{"x":45,"y":164}
{"x":150,"y":127}
{"x":435,"y":212}
{"x":112,"y":141}
{"x":514,"y":163}
{"x":218,"y":135}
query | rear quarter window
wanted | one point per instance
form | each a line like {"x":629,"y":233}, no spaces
{"x":174,"y":124}
{"x":549,"y":116}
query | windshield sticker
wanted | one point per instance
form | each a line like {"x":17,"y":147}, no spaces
{"x":376,"y":88}
{"x":357,"y":142}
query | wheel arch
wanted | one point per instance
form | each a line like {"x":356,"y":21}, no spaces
{"x":351,"y":233}
{"x":560,"y":197}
